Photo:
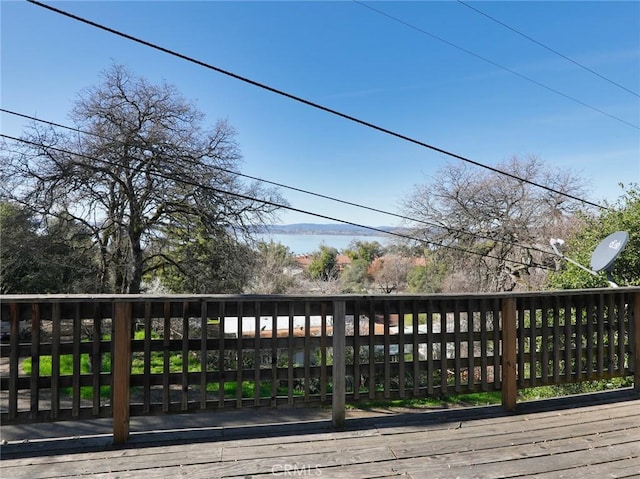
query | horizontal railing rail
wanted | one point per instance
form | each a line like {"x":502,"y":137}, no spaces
{"x":77,"y":357}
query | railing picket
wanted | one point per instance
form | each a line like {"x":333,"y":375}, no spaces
{"x":600,"y":339}
{"x":185,"y":357}
{"x":444,"y":356}
{"x":323,"y":353}
{"x":55,"y":360}
{"x":533,"y":344}
{"x":522,"y":347}
{"x":589,"y":316}
{"x":556,"y":340}
{"x":307,"y":350}
{"x":222,"y":353}
{"x":484,"y":341}
{"x":357,"y":373}
{"x":14,"y":363}
{"x":622,"y":333}
{"x":96,"y":358}
{"x":240,"y":355}
{"x":274,"y":356}
{"x":257,"y":357}
{"x":579,"y":338}
{"x":457,"y":328}
{"x":35,"y":360}
{"x":146,"y":386}
{"x":291,"y":352}
{"x":166,"y":341}
{"x":77,"y":338}
{"x":497,"y":350}
{"x":387,"y":351}
{"x":568,"y":339}
{"x":401,"y":360}
{"x":544,"y":343}
{"x":204,"y":352}
{"x":339,"y":364}
{"x":372,"y":351}
{"x":471,"y":374}
{"x":611,"y":323}
{"x":635,"y":302}
{"x":415,"y":321}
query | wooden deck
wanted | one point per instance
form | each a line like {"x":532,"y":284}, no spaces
{"x":585,"y":436}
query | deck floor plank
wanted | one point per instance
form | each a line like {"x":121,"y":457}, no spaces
{"x":625,"y":468}
{"x":525,"y":466}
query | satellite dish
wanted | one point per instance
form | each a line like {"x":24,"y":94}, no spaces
{"x":603,"y":257}
{"x":605,"y":254}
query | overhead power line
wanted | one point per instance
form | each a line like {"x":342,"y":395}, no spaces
{"x":304,"y":101}
{"x":495,"y":64}
{"x":272,"y":203}
{"x":293,"y":188}
{"x":546,"y":47}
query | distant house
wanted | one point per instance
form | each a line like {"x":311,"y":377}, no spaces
{"x":304,"y":260}
{"x":316,"y":331}
{"x":265,"y":330}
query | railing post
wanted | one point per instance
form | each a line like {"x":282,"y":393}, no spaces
{"x":121,"y":372}
{"x":636,"y":343}
{"x":509,"y":358}
{"x":339,"y":364}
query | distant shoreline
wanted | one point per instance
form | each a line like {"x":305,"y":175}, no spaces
{"x":308,"y":243}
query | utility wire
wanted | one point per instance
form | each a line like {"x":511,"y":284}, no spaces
{"x":502,"y":67}
{"x":293,"y":188}
{"x":508,"y":27}
{"x":304,"y":101}
{"x":272,"y":203}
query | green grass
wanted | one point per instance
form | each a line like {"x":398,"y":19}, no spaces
{"x":66,"y":369}
{"x":470,"y":399}
{"x":157,"y":363}
{"x":86,"y":392}
{"x":547,"y":392}
{"x":248,"y":389}
{"x":137,"y":367}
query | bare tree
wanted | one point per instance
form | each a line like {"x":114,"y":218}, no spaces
{"x":499,"y":221}
{"x":148,"y":166}
{"x":390,"y":272}
{"x":274,"y":268}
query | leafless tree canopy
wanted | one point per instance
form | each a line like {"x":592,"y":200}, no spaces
{"x":148,"y":165}
{"x":389,"y":273}
{"x":499,"y":220}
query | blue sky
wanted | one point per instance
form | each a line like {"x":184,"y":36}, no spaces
{"x":350,"y":58}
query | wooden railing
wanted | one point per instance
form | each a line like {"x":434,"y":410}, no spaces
{"x":74,"y":357}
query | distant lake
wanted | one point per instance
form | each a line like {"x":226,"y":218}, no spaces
{"x":303,"y":244}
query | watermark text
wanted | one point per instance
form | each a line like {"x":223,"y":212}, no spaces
{"x":296,"y":470}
